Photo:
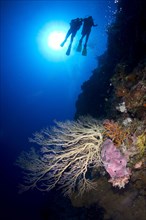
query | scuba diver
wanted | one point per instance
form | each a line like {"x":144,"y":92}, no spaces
{"x":75,"y":25}
{"x":88,"y":23}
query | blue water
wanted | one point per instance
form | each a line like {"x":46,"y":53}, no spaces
{"x":39,"y":85}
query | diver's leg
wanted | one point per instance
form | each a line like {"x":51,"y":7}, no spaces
{"x":84,"y":52}
{"x":66,"y":37}
{"x":71,"y":41}
{"x":80,"y":41}
{"x":79,"y":47}
{"x":87,"y":38}
{"x":68,"y":34}
{"x":72,"y":36}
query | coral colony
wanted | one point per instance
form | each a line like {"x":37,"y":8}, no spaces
{"x":72,"y":150}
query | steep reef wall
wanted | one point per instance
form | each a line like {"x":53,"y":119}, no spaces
{"x":126,"y":45}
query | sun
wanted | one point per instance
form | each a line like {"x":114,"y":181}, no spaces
{"x":55,"y":38}
{"x":49,"y":39}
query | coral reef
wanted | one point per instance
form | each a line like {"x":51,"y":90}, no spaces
{"x":131,"y":89}
{"x":116,"y":92}
{"x":73,"y":153}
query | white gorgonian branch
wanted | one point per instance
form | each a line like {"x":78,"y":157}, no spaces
{"x":68,"y":151}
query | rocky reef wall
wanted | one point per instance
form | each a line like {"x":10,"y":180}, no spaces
{"x":127,"y":45}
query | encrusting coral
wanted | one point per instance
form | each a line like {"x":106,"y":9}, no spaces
{"x":131,"y":89}
{"x":67,"y":153}
{"x":115,"y":132}
{"x":141,"y":143}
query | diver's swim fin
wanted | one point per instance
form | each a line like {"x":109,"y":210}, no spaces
{"x":79,"y":48}
{"x":62,"y":44}
{"x":84,"y":51}
{"x":68,"y":50}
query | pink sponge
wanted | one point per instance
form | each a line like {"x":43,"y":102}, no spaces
{"x":114,"y":161}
